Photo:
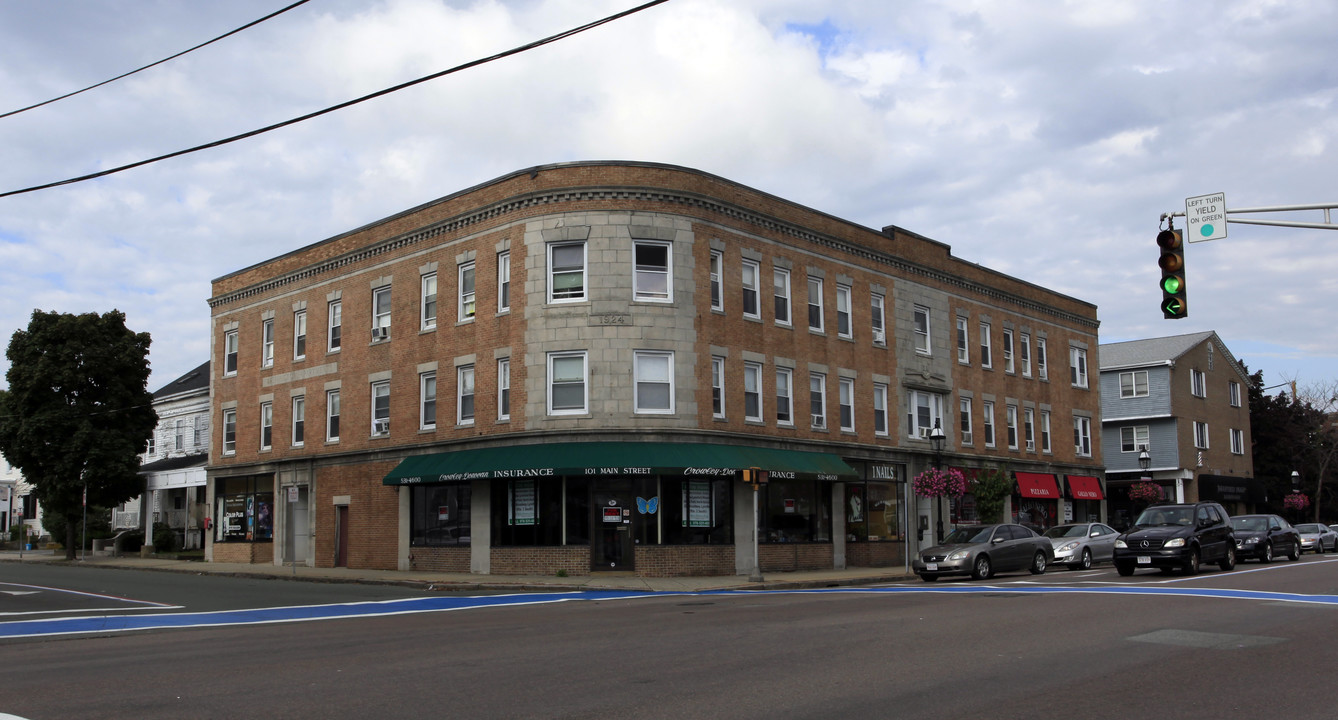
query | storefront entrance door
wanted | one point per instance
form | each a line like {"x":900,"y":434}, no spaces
{"x":611,"y":546}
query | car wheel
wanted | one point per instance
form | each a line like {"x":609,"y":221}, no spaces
{"x":1038,"y":563}
{"x":1295,"y":553}
{"x":1267,"y":555}
{"x":1192,"y":565}
{"x":1229,"y":560}
{"x":981,"y":569}
{"x":1086,"y":563}
{"x":1319,"y":547}
{"x":928,"y":578}
{"x":1125,"y":569}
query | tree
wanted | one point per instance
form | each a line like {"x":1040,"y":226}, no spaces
{"x":1292,"y":433}
{"x":78,"y":411}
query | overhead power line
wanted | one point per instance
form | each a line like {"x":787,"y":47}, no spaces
{"x":349,"y":103}
{"x":160,"y":62}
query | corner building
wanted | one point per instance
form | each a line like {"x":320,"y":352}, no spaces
{"x":567,"y":369}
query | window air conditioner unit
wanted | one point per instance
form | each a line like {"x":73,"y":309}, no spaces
{"x":879,"y":337}
{"x":818,"y":421}
{"x":381,"y":426}
{"x":380,"y":333}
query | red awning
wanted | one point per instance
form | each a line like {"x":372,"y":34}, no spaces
{"x":1085,"y":487}
{"x":1037,"y":485}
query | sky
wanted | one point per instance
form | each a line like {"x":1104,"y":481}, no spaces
{"x":1041,"y":139}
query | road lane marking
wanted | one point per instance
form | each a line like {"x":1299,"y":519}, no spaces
{"x":35,"y":589}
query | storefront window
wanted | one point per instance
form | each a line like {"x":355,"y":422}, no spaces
{"x":244,"y":509}
{"x":527,"y":512}
{"x":796,"y":511}
{"x":698,"y":512}
{"x":873,"y":512}
{"x":439,"y":515}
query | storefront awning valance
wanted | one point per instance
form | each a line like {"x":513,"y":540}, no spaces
{"x":1085,"y":487}
{"x":1037,"y":485}
{"x":697,"y":460}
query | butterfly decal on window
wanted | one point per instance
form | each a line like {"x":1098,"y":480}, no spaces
{"x":647,"y":507}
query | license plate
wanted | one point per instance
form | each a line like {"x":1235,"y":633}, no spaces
{"x":931,"y":566}
{"x":1144,"y":559}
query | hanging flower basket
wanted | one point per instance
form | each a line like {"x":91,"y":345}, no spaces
{"x":1296,"y":501}
{"x":1145,"y":491}
{"x":939,"y":483}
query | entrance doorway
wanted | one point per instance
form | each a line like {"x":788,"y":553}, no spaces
{"x":611,"y":535}
{"x":341,"y":536}
{"x":297,"y":535}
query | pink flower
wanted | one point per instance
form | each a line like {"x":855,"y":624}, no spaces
{"x":937,"y":483}
{"x":1145,"y":491}
{"x":1296,"y":501}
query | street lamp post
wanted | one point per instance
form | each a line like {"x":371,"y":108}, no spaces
{"x":936,"y":438}
{"x":1296,"y":489}
{"x":1144,"y":461}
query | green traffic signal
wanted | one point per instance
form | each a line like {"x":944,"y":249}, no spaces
{"x":1171,"y":284}
{"x":1172,"y":264}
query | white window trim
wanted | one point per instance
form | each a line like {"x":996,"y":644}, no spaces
{"x":788,"y":399}
{"x":381,"y":318}
{"x":372,"y":409}
{"x":1010,"y":366}
{"x":845,"y":399}
{"x":756,"y":268}
{"x":585,"y":272}
{"x":503,"y":281}
{"x":299,"y":414}
{"x":987,"y":423}
{"x":641,"y":295}
{"x":230,"y":352}
{"x":331,"y":404}
{"x":1233,"y":388}
{"x":267,"y":344}
{"x":1045,"y":432}
{"x":229,"y":447}
{"x":818,"y":419}
{"x":963,"y":340}
{"x":878,"y":319}
{"x":266,"y":423}
{"x":880,"y":410}
{"x":923,"y":339}
{"x":967,"y":428}
{"x":1029,"y":429}
{"x":428,"y":318}
{"x":755,"y":371}
{"x":585,"y":383}
{"x":935,"y":405}
{"x":334,"y":311}
{"x":1133,"y":384}
{"x":1024,"y":350}
{"x":1078,"y":366}
{"x":718,"y":387}
{"x":637,"y":357}
{"x":423,"y":380}
{"x":782,"y":291}
{"x":1200,"y":437}
{"x":822,"y":311}
{"x":1237,"y":441}
{"x":1010,"y":423}
{"x":986,"y":352}
{"x":844,"y":297}
{"x":1042,"y":359}
{"x":1198,"y":383}
{"x":300,"y":335}
{"x":467,"y":299}
{"x":1082,"y":436}
{"x":504,"y":389}
{"x":716,"y":270}
{"x":465,"y":379}
{"x":1139,"y":439}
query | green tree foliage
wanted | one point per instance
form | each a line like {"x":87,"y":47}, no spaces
{"x":78,"y":412}
{"x":1288,"y":434}
{"x":991,"y":488}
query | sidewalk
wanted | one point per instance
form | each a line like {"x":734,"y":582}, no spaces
{"x":468,"y":581}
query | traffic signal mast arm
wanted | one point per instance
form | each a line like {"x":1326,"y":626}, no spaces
{"x":1326,"y":225}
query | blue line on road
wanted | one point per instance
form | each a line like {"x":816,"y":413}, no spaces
{"x":304,"y":613}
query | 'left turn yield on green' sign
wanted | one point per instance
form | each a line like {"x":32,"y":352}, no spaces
{"x":1205,"y":217}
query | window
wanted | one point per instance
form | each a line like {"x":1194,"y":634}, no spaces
{"x":149,"y":447}
{"x":230,"y":432}
{"x":845,"y":398}
{"x":1010,"y":421}
{"x":717,"y":387}
{"x":230,"y":353}
{"x":381,"y":314}
{"x":926,"y":411}
{"x":267,"y":344}
{"x":781,"y":280}
{"x":1042,"y":363}
{"x":1237,"y":442}
{"x":566,"y":272}
{"x":717,"y":293}
{"x":1201,"y":435}
{"x":199,"y":437}
{"x":987,"y":426}
{"x":843,"y":328}
{"x":651,"y":279}
{"x":179,"y":434}
{"x":336,"y":323}
{"x":466,"y":308}
{"x":299,"y":420}
{"x":439,"y":515}
{"x":1198,"y":384}
{"x":566,"y":383}
{"x":504,"y":389}
{"x":817,"y":399}
{"x":300,"y":335}
{"x":1024,"y":352}
{"x":332,"y":416}
{"x":1045,"y":431}
{"x":244,"y":512}
{"x":428,"y":302}
{"x":266,"y":425}
{"x":464,"y":395}
{"x":1233,"y":388}
{"x":752,"y":392}
{"x":1078,"y":367}
{"x":1008,"y":351}
{"x":750,"y":271}
{"x":503,"y":282}
{"x":654,"y":382}
{"x":878,"y":323}
{"x":784,"y":396}
{"x":427,"y":401}
{"x":381,"y":408}
{"x":921,"y":315}
{"x":963,"y":346}
{"x":815,"y":304}
{"x":1134,"y":384}
{"x":1029,"y":428}
{"x":985,"y":345}
{"x":1133,"y":437}
{"x":964,"y":420}
{"x":880,"y":409}
{"x":1082,"y":436}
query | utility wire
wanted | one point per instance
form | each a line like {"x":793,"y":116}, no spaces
{"x":341,"y":106}
{"x":160,"y":62}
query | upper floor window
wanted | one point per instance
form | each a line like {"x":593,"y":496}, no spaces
{"x":466,"y":308}
{"x":1029,"y":428}
{"x":964,"y":420}
{"x":845,"y":398}
{"x":1078,"y":367}
{"x":266,"y":425}
{"x":1010,"y":419}
{"x":1042,"y":361}
{"x":336,"y":325}
{"x":784,"y":396}
{"x":149,"y":447}
{"x":1134,"y":384}
{"x":567,"y":383}
{"x":963,"y":345}
{"x":503,"y":281}
{"x":332,"y":416}
{"x":752,"y":392}
{"x":654,"y":382}
{"x":1198,"y":383}
{"x":1234,"y":388}
{"x":1237,"y":442}
{"x":381,"y":408}
{"x":230,"y":353}
{"x":464,"y":395}
{"x":817,"y":399}
{"x":300,"y":335}
{"x":267,"y":344}
{"x":652,"y":277}
{"x":1133,"y":438}
{"x":1082,"y":436}
{"x":1201,"y":435}
{"x":749,"y":271}
{"x":717,"y":387}
{"x":428,"y":301}
{"x":1009,"y":359}
{"x":781,"y":294}
{"x":1045,"y":431}
{"x":1024,"y":353}
{"x":878,"y":319}
{"x":299,"y":429}
{"x":717,"y":267}
{"x":381,"y":314}
{"x":230,"y":431}
{"x":815,"y":304}
{"x":179,"y":435}
{"x":566,"y":272}
{"x":985,"y":360}
{"x":925,"y":412}
{"x":921,"y":315}
{"x":880,"y":410}
{"x":987,"y":422}
{"x":843,"y":328}
{"x":504,"y":389}
{"x":427,"y":401}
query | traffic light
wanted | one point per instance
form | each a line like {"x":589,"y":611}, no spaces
{"x":1172,"y":262}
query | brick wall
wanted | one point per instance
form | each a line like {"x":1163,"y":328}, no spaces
{"x":575,"y":559}
{"x":373,"y":515}
{"x":794,"y":557}
{"x":244,"y":552}
{"x":685,"y":560}
{"x":440,"y":559}
{"x":879,"y":554}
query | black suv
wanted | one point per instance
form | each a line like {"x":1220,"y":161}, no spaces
{"x":1177,"y":536}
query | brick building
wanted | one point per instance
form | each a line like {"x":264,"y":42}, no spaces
{"x":567,"y":368}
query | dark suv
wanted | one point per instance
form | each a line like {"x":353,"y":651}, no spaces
{"x":1177,"y":536}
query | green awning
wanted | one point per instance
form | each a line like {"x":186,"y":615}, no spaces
{"x":616,"y":459}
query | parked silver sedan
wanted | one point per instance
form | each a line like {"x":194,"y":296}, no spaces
{"x":981,"y":550}
{"x":1078,"y":545}
{"x":1317,"y":538}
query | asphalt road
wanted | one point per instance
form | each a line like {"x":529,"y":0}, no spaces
{"x":1018,"y":646}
